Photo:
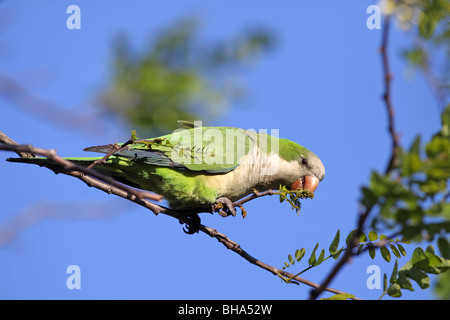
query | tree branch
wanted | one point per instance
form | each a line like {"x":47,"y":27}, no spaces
{"x":4,"y":139}
{"x":233,"y":246}
{"x":387,"y":77}
{"x":110,"y":186}
{"x":69,"y":167}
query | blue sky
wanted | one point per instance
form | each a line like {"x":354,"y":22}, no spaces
{"x":321,"y":86}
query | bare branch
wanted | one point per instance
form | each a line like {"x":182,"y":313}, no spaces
{"x":68,"y":166}
{"x":114,"y":148}
{"x":255,"y":195}
{"x":233,"y":246}
{"x":7,"y":140}
{"x":387,"y":77}
{"x":110,"y":186}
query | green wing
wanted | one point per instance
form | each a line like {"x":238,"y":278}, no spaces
{"x":209,"y":149}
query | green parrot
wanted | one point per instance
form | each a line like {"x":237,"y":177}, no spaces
{"x":197,"y":167}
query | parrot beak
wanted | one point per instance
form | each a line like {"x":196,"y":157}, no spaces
{"x":309,"y":183}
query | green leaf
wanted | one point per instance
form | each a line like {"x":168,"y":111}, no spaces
{"x":394,"y":273}
{"x":429,"y":249}
{"x":335,"y":243}
{"x":134,"y":136}
{"x":394,"y":290}
{"x":291,"y":259}
{"x":415,"y":146}
{"x":373,"y":236}
{"x":395,"y":251}
{"x":385,"y":282}
{"x":419,"y":259}
{"x":433,"y":261}
{"x":350,"y":237}
{"x":372,"y":251}
{"x":416,"y":56}
{"x":321,"y":257}
{"x":444,"y":247}
{"x":404,"y":282}
{"x":385,"y":253}
{"x":420,"y":277}
{"x":337,"y":254}
{"x":401,"y":249}
{"x":369,"y":198}
{"x":362,"y":237}
{"x":299,"y":253}
{"x":410,"y":161}
{"x":312,"y":258}
{"x":340,"y":296}
{"x":445,"y":119}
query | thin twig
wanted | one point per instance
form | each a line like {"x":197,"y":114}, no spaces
{"x":387,"y":77}
{"x":254,"y":195}
{"x":233,"y":246}
{"x":114,"y":148}
{"x":68,"y":166}
{"x":96,"y":180}
{"x":345,"y":258}
{"x":4,"y":139}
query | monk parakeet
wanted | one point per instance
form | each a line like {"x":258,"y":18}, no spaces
{"x":197,"y":167}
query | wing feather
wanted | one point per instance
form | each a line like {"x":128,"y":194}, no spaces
{"x":213,"y":152}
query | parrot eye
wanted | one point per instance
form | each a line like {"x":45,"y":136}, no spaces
{"x":304,"y":162}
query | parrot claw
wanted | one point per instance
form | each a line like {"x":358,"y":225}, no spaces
{"x":223,"y":213}
{"x":224,"y":203}
{"x":193,"y":225}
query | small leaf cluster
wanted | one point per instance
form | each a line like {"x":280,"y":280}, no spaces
{"x":384,"y":244}
{"x":364,"y":242}
{"x":314,"y":260}
{"x":432,"y":38}
{"x":340,"y":296}
{"x":293,"y":197}
{"x":417,"y":269}
{"x":134,"y":136}
{"x":413,"y":199}
{"x":414,"y":196}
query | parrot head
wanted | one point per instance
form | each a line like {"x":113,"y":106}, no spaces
{"x":304,"y":170}
{"x":311,"y":172}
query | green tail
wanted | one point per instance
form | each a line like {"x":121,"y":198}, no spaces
{"x":112,"y":168}
{"x":44,"y":162}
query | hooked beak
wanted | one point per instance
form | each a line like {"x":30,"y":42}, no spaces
{"x":309,"y":183}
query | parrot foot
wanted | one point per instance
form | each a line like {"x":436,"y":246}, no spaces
{"x":193,"y":224}
{"x":224,"y":203}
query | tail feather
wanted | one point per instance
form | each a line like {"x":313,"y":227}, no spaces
{"x":108,"y":169}
{"x":99,"y":149}
{"x":44,"y":162}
